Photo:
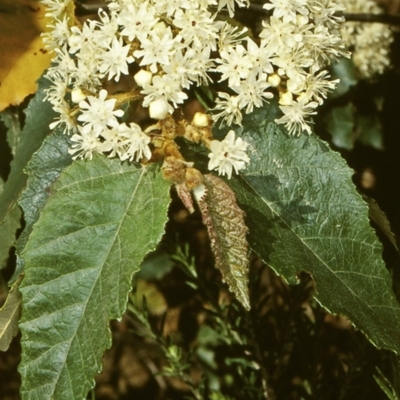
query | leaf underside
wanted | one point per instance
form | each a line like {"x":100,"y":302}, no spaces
{"x":227,"y":231}
{"x":304,"y":214}
{"x":100,"y":221}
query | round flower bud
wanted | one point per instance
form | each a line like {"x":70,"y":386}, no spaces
{"x":286,"y":99}
{"x":281,"y":71}
{"x":201,"y":120}
{"x":158,"y":109}
{"x":77,"y":95}
{"x":274,"y":80}
{"x":159,"y":28}
{"x":143,"y":78}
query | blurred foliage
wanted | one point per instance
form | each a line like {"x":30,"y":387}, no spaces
{"x":353,"y":112}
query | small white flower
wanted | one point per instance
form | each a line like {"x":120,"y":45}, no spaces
{"x":197,"y":27}
{"x":235,"y":65}
{"x":156,"y":49}
{"x":55,"y":8}
{"x":295,"y":116}
{"x":115,"y":60}
{"x":229,"y":109}
{"x":137,"y":142}
{"x":164,"y":87}
{"x":287,"y":9}
{"x":230,"y":36}
{"x":98,"y":113}
{"x":64,"y":118}
{"x":228,"y":154}
{"x":230,"y":5}
{"x":83,"y":41}
{"x":252,"y":92}
{"x":85,"y":145}
{"x":137,"y":21}
{"x":57,"y":34}
{"x":55,"y":94}
{"x":114,"y":142}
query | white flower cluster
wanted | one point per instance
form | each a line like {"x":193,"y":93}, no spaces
{"x":300,"y":38}
{"x":369,"y":42}
{"x":174,"y":44}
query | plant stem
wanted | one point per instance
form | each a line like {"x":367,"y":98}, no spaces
{"x":349,"y":17}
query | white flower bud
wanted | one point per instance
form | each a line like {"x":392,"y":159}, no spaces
{"x":303,"y":95}
{"x":77,"y":95}
{"x":201,"y":120}
{"x":159,"y":28}
{"x":274,"y":80}
{"x":158,"y":109}
{"x":286,"y":99}
{"x":301,"y":20}
{"x":143,"y":78}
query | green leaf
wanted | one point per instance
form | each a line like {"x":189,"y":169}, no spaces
{"x":304,"y":214}
{"x":43,"y":170}
{"x":9,"y":316}
{"x":156,"y":265}
{"x":340,"y":124}
{"x":369,"y":130}
{"x":101,"y":219}
{"x":385,"y":385}
{"x":345,"y":71}
{"x":11,"y":120}
{"x":227,"y":231}
{"x":7,"y":231}
{"x":379,"y":217}
{"x":39,"y":115}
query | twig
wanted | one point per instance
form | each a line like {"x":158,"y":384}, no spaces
{"x":380,"y":18}
{"x":92,"y":8}
{"x":355,"y":17}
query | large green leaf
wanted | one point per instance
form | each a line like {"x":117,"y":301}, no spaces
{"x":99,"y":222}
{"x":39,"y":115}
{"x":304,"y":214}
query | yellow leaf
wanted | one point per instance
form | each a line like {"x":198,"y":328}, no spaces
{"x":22,"y":53}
